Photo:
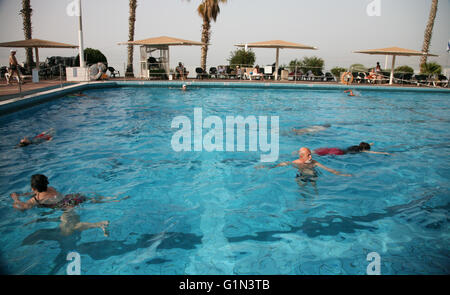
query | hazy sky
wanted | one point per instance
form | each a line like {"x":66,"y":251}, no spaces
{"x":336,"y":27}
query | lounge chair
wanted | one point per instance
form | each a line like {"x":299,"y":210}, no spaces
{"x":328,"y":77}
{"x":420,"y":79}
{"x":113,"y":72}
{"x":201,"y":73}
{"x":213,"y":72}
{"x":443,"y":80}
{"x":268,"y":72}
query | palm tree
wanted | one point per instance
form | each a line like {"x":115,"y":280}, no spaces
{"x":428,"y":31}
{"x":26,"y":15}
{"x":208,"y":10}
{"x":131,"y":22}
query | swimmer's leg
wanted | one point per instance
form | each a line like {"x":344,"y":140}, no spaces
{"x":81,"y":226}
{"x":100,"y":199}
{"x":70,"y":222}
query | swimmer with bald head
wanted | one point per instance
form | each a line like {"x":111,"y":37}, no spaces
{"x":306,"y":164}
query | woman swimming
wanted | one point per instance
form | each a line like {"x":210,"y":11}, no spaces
{"x":363,"y":147}
{"x":45,"y":196}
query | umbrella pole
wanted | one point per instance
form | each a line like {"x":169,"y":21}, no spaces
{"x":276,"y":64}
{"x":392,"y":70}
{"x":36,"y":50}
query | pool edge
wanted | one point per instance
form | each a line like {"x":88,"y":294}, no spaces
{"x":19,"y":103}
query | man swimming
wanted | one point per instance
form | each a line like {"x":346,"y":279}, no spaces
{"x":306,"y":165}
{"x":311,"y":129}
{"x":363,"y":147}
{"x":40,"y":138}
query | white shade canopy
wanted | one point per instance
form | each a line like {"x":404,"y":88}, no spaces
{"x":277,"y":44}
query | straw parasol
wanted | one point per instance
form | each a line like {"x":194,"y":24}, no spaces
{"x":278,"y":44}
{"x":163,"y":41}
{"x":36,"y":43}
{"x":394,"y":51}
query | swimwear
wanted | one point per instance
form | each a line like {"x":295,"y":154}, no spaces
{"x":353,"y":149}
{"x":70,"y":200}
{"x":329,"y":151}
{"x":306,"y":178}
{"x":44,"y":136}
{"x":41,"y":138}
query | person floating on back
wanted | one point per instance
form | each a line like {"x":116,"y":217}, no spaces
{"x":40,"y":138}
{"x":363,"y":147}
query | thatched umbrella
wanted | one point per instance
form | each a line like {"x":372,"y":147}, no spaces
{"x":278,"y":44}
{"x":394,"y":51}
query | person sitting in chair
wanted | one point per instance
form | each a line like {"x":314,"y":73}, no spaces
{"x":181,"y":71}
{"x":256,"y":73}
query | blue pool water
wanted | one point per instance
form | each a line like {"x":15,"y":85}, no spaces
{"x":213,"y":212}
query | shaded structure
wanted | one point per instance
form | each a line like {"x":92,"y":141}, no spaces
{"x":277,"y":44}
{"x":36,"y":44}
{"x":161,"y":44}
{"x":394,"y":51}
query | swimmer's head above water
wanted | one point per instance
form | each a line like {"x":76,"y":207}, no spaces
{"x":39,"y":183}
{"x":305,"y":155}
{"x":364,"y":146}
{"x":24,"y":142}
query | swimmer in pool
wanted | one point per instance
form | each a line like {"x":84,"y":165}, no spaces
{"x":45,"y":196}
{"x":363,"y":147}
{"x":350,"y":92}
{"x":40,"y":138}
{"x":305,"y":165}
{"x":184,"y":87}
{"x":311,"y":129}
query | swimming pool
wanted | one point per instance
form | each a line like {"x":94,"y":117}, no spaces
{"x":213,"y":212}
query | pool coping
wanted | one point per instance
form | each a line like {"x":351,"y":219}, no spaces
{"x":19,"y":103}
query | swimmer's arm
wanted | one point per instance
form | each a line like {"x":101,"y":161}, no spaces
{"x":279,"y":165}
{"x":282,"y":164}
{"x":331,"y":170}
{"x":22,"y":205}
{"x":378,"y":153}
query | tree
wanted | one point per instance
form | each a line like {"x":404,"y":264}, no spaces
{"x":91,"y":56}
{"x":315,"y":64}
{"x":27,"y":29}
{"x":242,"y":57}
{"x":428,"y":32}
{"x":431,"y":68}
{"x":131,"y":23}
{"x":295,"y":63}
{"x":404,"y":69}
{"x":336,"y":71}
{"x":208,"y":10}
{"x":358,"y":68}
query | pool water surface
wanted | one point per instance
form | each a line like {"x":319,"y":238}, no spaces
{"x":215,"y":212}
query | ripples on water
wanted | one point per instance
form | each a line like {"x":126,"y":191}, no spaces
{"x":214,"y":213}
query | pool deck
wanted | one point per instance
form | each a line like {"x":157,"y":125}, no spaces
{"x":34,"y":93}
